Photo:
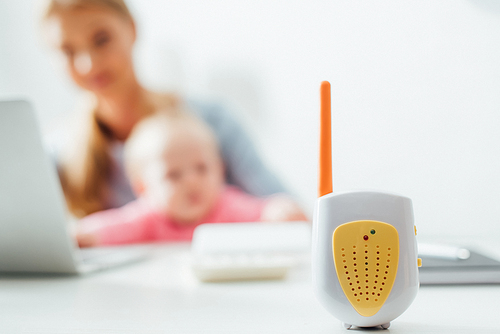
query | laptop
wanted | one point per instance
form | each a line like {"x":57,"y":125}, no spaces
{"x":35,"y":231}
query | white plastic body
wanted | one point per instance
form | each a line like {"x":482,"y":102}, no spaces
{"x":336,"y":209}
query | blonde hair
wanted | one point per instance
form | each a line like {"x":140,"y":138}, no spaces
{"x":152,"y":135}
{"x":118,"y":6}
{"x":85,"y":166}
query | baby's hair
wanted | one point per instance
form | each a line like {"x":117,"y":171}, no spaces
{"x":152,"y":134}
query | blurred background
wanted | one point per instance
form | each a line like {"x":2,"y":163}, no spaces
{"x":415,"y":89}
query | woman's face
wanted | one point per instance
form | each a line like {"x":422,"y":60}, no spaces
{"x":97,"y":45}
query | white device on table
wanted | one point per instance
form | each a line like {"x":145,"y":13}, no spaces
{"x":443,"y":251}
{"x":243,"y":251}
{"x":364,"y":249}
{"x":34,"y":225}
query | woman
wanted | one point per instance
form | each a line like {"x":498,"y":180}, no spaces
{"x":97,"y":38}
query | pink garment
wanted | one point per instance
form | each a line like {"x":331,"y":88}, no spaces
{"x":136,"y":222}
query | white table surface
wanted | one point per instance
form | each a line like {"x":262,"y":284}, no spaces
{"x":160,"y":295}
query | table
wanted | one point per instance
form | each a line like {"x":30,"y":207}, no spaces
{"x":161,"y":295}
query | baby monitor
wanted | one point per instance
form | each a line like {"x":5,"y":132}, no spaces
{"x":364,"y":249}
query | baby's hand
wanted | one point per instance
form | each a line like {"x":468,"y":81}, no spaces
{"x":86,"y":239}
{"x":282,"y":208}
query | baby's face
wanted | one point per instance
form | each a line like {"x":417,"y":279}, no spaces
{"x":186,"y":180}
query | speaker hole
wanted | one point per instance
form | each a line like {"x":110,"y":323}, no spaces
{"x":358,"y":300}
{"x":376,"y":299}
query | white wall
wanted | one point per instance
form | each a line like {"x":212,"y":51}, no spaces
{"x":415,"y":89}
{"x":26,"y":69}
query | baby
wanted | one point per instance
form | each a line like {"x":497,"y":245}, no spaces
{"x":175,"y":169}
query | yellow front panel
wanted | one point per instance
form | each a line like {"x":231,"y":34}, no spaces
{"x":366,"y":256}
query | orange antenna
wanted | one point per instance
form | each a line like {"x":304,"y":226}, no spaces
{"x":325,"y":141}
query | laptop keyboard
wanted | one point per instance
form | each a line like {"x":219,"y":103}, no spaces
{"x":88,"y":254}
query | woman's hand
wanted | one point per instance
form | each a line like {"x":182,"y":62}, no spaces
{"x":282,"y":208}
